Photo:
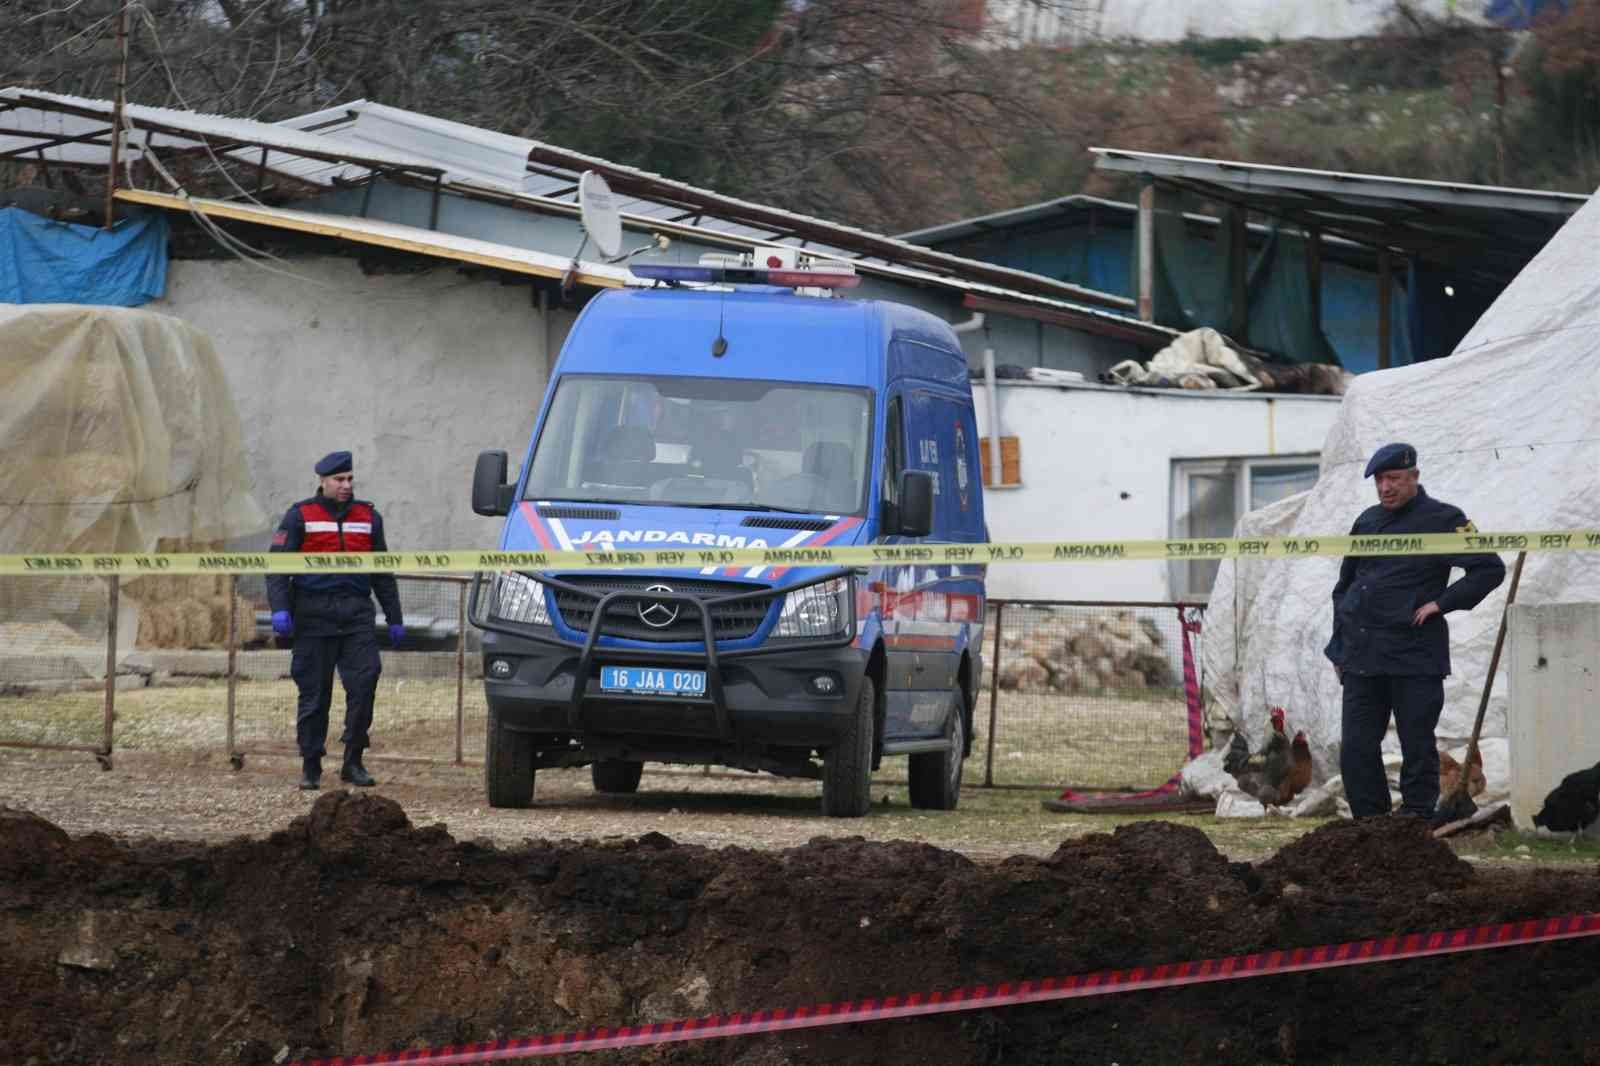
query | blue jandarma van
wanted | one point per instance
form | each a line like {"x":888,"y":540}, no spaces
{"x":744,"y":415}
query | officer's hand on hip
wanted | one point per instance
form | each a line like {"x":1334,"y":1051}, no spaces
{"x":282,"y":624}
{"x":1425,"y":612}
{"x":397,"y":633}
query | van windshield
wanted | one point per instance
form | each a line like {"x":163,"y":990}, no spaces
{"x":705,"y":442}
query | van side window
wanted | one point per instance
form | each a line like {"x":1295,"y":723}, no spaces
{"x":894,"y":454}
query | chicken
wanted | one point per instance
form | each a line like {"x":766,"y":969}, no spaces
{"x":1299,"y":770}
{"x":1573,"y":805}
{"x":1450,"y":774}
{"x":1263,"y":774}
{"x":1238,"y":754}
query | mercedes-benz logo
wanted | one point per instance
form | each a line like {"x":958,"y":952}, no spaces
{"x":658,"y":614}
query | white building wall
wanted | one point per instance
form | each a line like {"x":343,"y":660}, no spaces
{"x":415,"y":374}
{"x":1555,"y":684}
{"x":1097,"y":465}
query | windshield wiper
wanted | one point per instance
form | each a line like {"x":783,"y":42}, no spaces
{"x":584,"y":499}
{"x":733,"y":507}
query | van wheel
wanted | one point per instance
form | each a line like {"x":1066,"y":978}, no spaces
{"x":616,"y":775}
{"x":507,"y":766}
{"x":936,"y":775}
{"x":847,"y":766}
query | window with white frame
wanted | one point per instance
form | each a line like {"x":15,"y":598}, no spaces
{"x":1210,"y":495}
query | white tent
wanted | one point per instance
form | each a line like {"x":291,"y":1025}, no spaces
{"x":1508,"y":429}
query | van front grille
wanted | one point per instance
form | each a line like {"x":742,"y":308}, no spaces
{"x":729,"y":621}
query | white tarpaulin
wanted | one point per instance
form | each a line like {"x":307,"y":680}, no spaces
{"x":1174,"y":20}
{"x":1508,"y":429}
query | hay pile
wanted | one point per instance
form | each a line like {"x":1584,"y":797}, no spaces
{"x":182,"y":612}
{"x":1084,"y":652}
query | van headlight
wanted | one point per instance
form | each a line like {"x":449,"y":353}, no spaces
{"x":818,"y":611}
{"x":518,"y":598}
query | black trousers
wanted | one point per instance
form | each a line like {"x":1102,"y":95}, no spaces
{"x":312,"y":664}
{"x":1415,"y":703}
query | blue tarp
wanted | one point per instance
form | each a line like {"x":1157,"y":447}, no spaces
{"x":1520,"y":14}
{"x":48,"y":262}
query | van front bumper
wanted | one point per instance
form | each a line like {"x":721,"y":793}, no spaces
{"x":795,"y":694}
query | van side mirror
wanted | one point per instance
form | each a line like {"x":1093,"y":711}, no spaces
{"x":490,"y":493}
{"x":916,"y":503}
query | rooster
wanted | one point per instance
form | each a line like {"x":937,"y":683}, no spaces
{"x":1573,"y":805}
{"x":1450,"y":774}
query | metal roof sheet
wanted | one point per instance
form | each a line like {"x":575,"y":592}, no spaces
{"x":1498,"y":229}
{"x":76,"y":130}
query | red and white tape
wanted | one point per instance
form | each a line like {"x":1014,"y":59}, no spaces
{"x":982,"y":997}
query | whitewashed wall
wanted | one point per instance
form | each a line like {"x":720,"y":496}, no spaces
{"x":414,"y":374}
{"x":1097,"y":465}
{"x":1555,"y":686}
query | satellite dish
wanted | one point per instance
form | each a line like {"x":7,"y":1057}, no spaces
{"x":597,"y":208}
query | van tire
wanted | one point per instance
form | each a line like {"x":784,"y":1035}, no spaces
{"x":936,"y":775}
{"x":507,"y":766}
{"x":847,"y":765}
{"x":616,"y":775}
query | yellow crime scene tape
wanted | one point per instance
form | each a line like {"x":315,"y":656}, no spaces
{"x":923,"y":554}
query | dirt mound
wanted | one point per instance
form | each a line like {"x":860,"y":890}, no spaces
{"x":1396,"y":856}
{"x":350,"y":930}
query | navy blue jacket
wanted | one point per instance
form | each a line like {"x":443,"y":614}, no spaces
{"x":318,"y":524}
{"x":1376,"y":595}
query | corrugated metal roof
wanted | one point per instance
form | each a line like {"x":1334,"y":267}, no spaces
{"x":76,"y":130}
{"x":519,"y":165}
{"x":1497,"y":230}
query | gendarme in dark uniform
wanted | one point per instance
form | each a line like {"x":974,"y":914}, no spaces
{"x":330,"y":617}
{"x":1390,"y":642}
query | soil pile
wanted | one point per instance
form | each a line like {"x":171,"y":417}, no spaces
{"x":352,"y":931}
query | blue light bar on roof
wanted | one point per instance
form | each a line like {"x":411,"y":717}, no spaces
{"x":833,"y":276}
{"x":674,"y":273}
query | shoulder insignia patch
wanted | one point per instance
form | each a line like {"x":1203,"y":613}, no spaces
{"x":280,"y":538}
{"x":1468,"y":528}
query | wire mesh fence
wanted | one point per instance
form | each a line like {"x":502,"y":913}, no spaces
{"x":54,"y":632}
{"x":425,"y":695}
{"x":1084,"y":695}
{"x":1089,"y":695}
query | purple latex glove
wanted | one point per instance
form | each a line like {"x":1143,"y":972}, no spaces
{"x":397,"y":633}
{"x":282,"y":624}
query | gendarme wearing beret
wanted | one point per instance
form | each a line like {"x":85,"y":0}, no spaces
{"x":1390,"y":644}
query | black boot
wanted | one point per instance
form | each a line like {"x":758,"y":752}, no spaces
{"x":353,"y":771}
{"x":311,"y":772}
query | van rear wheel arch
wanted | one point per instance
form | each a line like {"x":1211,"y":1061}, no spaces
{"x":969,"y":698}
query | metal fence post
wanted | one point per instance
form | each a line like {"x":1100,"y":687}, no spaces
{"x":994,"y":695}
{"x":233,"y":666}
{"x":461,"y":665}
{"x":113,"y":599}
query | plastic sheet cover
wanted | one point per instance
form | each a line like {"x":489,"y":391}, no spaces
{"x":1508,"y":429}
{"x":119,"y":433}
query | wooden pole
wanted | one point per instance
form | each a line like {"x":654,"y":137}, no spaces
{"x":1385,"y":284}
{"x":116,"y":112}
{"x":1147,"y":250}
{"x":1239,"y":273}
{"x":1314,"y":274}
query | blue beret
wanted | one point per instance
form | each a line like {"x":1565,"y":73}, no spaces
{"x":1392,"y":457}
{"x":334,"y":463}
